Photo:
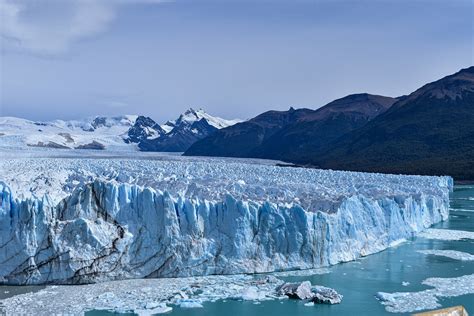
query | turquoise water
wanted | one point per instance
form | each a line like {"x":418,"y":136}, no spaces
{"x":358,"y":281}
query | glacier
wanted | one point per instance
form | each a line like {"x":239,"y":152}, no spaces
{"x":116,"y":219}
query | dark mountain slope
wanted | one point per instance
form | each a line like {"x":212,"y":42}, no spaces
{"x":429,"y":132}
{"x":294,"y":135}
{"x":180,"y":138}
{"x":240,"y":140}
{"x":301,"y":141}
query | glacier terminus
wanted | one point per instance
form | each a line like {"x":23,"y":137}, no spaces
{"x":77,"y":221}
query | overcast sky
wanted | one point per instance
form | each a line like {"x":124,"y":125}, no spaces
{"x":235,"y":59}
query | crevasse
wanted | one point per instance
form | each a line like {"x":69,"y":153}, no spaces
{"x":106,"y":231}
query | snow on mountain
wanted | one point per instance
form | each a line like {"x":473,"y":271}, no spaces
{"x":127,"y":132}
{"x":144,"y":128}
{"x":94,"y":133}
{"x":120,"y":219}
{"x":177,"y":135}
{"x":191,"y":116}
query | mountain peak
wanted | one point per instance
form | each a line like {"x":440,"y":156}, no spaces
{"x":192,"y":111}
{"x":175,"y":135}
{"x":467,"y":70}
{"x":450,"y":87}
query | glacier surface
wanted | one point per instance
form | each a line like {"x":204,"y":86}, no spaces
{"x":75,"y":221}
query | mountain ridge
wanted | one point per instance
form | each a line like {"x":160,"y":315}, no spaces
{"x":428,"y":132}
{"x":123,"y":132}
{"x":276,"y":134}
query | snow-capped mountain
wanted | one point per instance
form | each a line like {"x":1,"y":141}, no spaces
{"x":95,"y":133}
{"x":144,"y":128}
{"x":191,"y":116}
{"x":177,"y":135}
{"x":127,"y":132}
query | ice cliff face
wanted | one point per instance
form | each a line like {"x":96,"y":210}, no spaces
{"x":107,"y":230}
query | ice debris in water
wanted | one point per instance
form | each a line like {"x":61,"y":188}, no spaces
{"x":306,"y":272}
{"x":252,"y":293}
{"x":407,"y":302}
{"x":453,"y":254}
{"x":156,"y":309}
{"x":301,"y":290}
{"x":154,"y":296}
{"x":446,"y":234}
{"x":142,"y":296}
{"x":304,"y":291}
{"x":189,"y":303}
{"x":325,"y":295}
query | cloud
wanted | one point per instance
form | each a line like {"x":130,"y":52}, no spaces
{"x":49,"y":27}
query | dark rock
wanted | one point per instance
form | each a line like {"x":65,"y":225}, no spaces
{"x":94,"y":145}
{"x":49,"y":145}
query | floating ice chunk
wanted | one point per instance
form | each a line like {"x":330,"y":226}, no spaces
{"x":160,"y":309}
{"x":446,"y":234}
{"x":453,"y":254}
{"x":325,"y":295}
{"x":301,"y":290}
{"x":407,"y":302}
{"x":253,"y":294}
{"x":309,"y":304}
{"x":404,"y":283}
{"x":461,"y":210}
{"x":398,"y":242}
{"x":189,"y":303}
{"x":304,"y":291}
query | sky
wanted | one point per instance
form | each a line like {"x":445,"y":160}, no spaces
{"x":69,"y":59}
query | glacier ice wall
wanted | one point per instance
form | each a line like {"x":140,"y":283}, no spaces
{"x":106,"y":230}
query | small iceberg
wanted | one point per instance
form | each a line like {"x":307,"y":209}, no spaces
{"x":305,"y":291}
{"x":189,"y":303}
{"x":453,"y":254}
{"x":446,"y":234}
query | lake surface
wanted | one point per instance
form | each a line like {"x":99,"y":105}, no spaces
{"x":399,"y":269}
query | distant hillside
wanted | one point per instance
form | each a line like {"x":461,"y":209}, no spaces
{"x":429,"y":132}
{"x":244,"y":139}
{"x":300,"y":141}
{"x":293,"y":135}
